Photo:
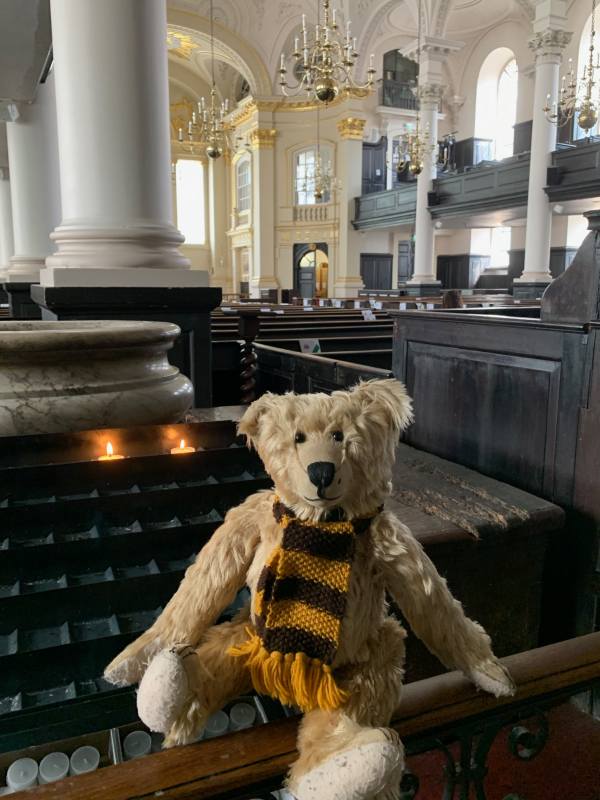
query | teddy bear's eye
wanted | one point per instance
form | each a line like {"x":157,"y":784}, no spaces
{"x":300,"y":437}
{"x":338,"y":436}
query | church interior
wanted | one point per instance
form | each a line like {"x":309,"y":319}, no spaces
{"x":253,"y":251}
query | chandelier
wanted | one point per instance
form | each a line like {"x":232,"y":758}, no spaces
{"x":208,"y":128}
{"x":326,"y":61}
{"x":577,"y":99}
{"x":415,"y":144}
{"x":324,"y":180}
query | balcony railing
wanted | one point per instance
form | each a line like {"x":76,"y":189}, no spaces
{"x":395,"y":94}
{"x":320,"y":212}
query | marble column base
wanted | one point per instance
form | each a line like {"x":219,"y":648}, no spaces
{"x":430,"y":289}
{"x":24,"y":269}
{"x":20,"y":304}
{"x":525,"y":290}
{"x":69,"y":376}
{"x":189,"y":308}
{"x":153,"y":245}
{"x":68,"y":277}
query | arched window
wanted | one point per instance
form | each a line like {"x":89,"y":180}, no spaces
{"x":496,"y":102}
{"x":189,"y":184}
{"x":243,"y":185}
{"x":583,"y":58}
{"x":305,"y":165}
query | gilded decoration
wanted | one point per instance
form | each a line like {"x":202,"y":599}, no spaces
{"x":262,"y":138}
{"x":284,"y":105}
{"x":351,"y":128}
{"x":180,"y":44}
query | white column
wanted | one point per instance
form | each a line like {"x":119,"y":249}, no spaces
{"x":549,"y":41}
{"x":110,"y":62}
{"x":389,"y":156}
{"x":347,"y":279}
{"x":7,"y":247}
{"x":34,"y":184}
{"x":218,"y":179}
{"x":262,"y":270}
{"x":425,"y":269}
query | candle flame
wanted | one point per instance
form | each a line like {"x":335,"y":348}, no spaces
{"x":182,"y":444}
{"x":109,"y":449}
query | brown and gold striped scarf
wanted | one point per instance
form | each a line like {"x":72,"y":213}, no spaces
{"x":299,"y":606}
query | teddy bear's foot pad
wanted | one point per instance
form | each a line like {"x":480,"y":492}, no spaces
{"x":164,"y":690}
{"x":365,"y":772}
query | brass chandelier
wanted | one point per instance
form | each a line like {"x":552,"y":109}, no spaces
{"x":324,"y":180}
{"x":415,"y":145}
{"x":208,"y":128}
{"x":577,"y":98}
{"x":326,"y":61}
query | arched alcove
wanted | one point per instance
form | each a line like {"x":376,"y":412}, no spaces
{"x":496,"y":101}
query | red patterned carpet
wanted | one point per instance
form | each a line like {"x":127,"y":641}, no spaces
{"x":568,"y":768}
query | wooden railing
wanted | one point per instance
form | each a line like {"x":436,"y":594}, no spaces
{"x":244,"y":764}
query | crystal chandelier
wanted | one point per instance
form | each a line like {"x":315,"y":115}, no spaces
{"x":208,"y":128}
{"x":577,"y":99}
{"x":326,"y":61}
{"x":415,"y":145}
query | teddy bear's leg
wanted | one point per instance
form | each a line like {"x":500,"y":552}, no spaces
{"x":183,"y":686}
{"x":351,"y":754}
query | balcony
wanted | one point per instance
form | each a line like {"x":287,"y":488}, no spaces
{"x":397,"y":94}
{"x":573,"y":177}
{"x":319,"y":212}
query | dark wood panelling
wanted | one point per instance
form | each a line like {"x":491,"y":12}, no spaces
{"x":376,"y":270}
{"x":470,"y":152}
{"x":560,"y":259}
{"x":406,"y":259}
{"x":460,"y":271}
{"x":499,"y":395}
{"x":522,"y":136}
{"x":373,"y":166}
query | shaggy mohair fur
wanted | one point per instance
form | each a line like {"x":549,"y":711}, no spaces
{"x":349,"y":753}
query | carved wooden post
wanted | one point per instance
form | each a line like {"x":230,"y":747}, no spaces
{"x":249,"y":325}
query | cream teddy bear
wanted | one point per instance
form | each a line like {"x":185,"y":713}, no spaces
{"x":319,"y":554}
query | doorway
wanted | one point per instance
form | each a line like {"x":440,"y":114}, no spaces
{"x":311,"y":269}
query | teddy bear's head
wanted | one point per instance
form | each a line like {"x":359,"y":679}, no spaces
{"x":326,"y":451}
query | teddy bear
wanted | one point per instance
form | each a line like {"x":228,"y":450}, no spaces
{"x":319,"y":552}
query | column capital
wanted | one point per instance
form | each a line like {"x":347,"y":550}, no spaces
{"x":263,"y":138}
{"x":430,"y":93}
{"x":351,"y":128}
{"x":550,"y":43}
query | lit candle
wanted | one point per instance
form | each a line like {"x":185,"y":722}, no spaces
{"x":110,"y":454}
{"x":182,"y":449}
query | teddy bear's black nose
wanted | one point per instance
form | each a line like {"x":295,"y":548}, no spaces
{"x":321,"y":473}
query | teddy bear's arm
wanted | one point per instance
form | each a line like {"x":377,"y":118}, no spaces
{"x":434,"y":615}
{"x":209,"y":585}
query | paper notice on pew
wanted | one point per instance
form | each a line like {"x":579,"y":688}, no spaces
{"x":310,"y":345}
{"x":368,"y":315}
{"x":307,"y":308}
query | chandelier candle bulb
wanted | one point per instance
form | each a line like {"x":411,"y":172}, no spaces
{"x":182,"y":449}
{"x":180,"y":134}
{"x":110,"y":454}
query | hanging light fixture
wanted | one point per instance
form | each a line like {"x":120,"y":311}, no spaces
{"x":324,"y":180}
{"x":326,"y":61}
{"x":577,"y":98}
{"x":415,"y":144}
{"x":208,"y":127}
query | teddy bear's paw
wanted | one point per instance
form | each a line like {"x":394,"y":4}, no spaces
{"x":362,"y":772}
{"x":164,"y":690}
{"x":129,"y":666}
{"x":492,"y":677}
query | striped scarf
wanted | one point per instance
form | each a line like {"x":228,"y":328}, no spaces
{"x":299,"y":606}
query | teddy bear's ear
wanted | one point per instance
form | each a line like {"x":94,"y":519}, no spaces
{"x":249,"y":424}
{"x":386,"y":399}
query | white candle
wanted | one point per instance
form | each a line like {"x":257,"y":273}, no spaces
{"x":242,"y":715}
{"x":54,"y":767}
{"x":180,"y":134}
{"x":296,"y":45}
{"x":110,"y":454}
{"x":216,"y":725}
{"x":137,"y":744}
{"x":334,"y":17}
{"x":182,"y":448}
{"x":282,"y":62}
{"x":22,"y":774}
{"x":84,"y":759}
{"x":371,"y":60}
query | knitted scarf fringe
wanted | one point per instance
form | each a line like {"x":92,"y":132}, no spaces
{"x":292,"y":678}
